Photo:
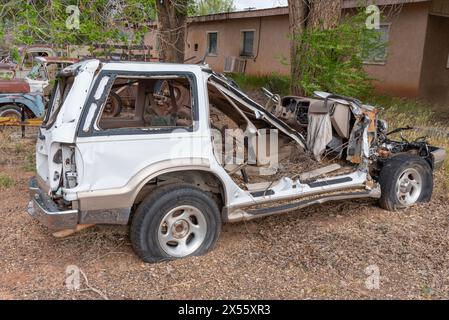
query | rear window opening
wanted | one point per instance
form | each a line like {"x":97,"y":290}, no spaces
{"x":147,"y":102}
{"x":57,"y":98}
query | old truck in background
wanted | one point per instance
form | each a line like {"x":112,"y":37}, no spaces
{"x":26,"y":59}
{"x":16,"y":95}
{"x":32,"y":92}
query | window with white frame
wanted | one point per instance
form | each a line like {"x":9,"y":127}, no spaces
{"x":379,"y":50}
{"x":212,"y":43}
{"x":247,"y":43}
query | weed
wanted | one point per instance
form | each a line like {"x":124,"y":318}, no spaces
{"x":6,"y":181}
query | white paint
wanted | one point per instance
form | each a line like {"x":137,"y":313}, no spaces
{"x":109,"y":163}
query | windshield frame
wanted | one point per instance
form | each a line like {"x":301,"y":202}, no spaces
{"x":36,"y":69}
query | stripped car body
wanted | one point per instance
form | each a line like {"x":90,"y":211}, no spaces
{"x":100,"y":170}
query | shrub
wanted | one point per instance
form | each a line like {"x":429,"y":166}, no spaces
{"x":275,"y":82}
{"x":332,"y":60}
{"x":6,"y":181}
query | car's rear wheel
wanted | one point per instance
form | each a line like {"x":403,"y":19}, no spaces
{"x":11,"y":111}
{"x":175,"y":221}
{"x":405,"y":180}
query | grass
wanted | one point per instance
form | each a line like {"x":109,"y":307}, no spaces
{"x":30,"y":162}
{"x":19,"y":148}
{"x":276,"y":83}
{"x":15,"y":151}
{"x":6,"y":181}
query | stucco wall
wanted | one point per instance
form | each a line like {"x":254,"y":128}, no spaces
{"x":400,"y":75}
{"x":273,"y":44}
{"x":435,"y":74}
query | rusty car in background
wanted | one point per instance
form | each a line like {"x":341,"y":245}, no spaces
{"x":26,"y":59}
{"x":16,"y":98}
{"x":26,"y":98}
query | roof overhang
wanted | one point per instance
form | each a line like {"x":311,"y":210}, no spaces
{"x":348,"y":4}
{"x":279,"y":11}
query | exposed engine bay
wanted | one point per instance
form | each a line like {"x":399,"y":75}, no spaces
{"x":339,"y":135}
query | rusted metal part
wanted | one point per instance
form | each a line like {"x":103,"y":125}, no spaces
{"x":14,"y":86}
{"x":11,"y":121}
{"x":57,"y":60}
{"x":6,"y":66}
{"x":384,"y":153}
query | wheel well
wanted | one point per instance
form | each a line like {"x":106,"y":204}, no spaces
{"x":204,"y":180}
{"x":28,"y":112}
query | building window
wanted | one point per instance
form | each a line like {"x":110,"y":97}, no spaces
{"x":247,"y":43}
{"x":212,"y":43}
{"x":195,"y":47}
{"x":378,"y":51}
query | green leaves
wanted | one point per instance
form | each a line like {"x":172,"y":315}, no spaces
{"x":204,"y":7}
{"x":332,"y":60}
{"x":100,"y":21}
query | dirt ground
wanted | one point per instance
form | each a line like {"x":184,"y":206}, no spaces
{"x":325,"y":251}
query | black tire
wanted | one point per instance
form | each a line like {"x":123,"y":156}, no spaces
{"x":12,"y":111}
{"x":393,"y":170}
{"x":113,"y":106}
{"x":146,"y":222}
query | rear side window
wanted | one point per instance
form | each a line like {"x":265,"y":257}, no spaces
{"x":145,"y":103}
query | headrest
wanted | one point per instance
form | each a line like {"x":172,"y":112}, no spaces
{"x":319,"y":106}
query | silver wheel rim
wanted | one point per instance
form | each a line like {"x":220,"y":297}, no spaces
{"x":409,"y":186}
{"x":182,"y":231}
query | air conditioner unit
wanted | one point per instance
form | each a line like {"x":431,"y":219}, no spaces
{"x":234,"y":65}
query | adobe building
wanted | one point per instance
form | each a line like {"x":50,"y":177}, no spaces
{"x":415,"y":63}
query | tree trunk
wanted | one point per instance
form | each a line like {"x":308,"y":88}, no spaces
{"x":172,"y":21}
{"x":308,"y":14}
{"x":324,"y":14}
{"x":297,"y":11}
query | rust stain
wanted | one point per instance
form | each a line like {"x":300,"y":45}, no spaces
{"x":14,"y":86}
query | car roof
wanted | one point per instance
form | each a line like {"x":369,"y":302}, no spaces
{"x":136,"y":66}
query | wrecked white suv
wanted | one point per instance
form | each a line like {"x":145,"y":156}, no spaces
{"x":189,"y":151}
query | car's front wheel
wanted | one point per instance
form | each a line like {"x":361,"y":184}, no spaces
{"x":175,"y":221}
{"x":405,"y":180}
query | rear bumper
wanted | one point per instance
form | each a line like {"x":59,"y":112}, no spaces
{"x":45,"y":210}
